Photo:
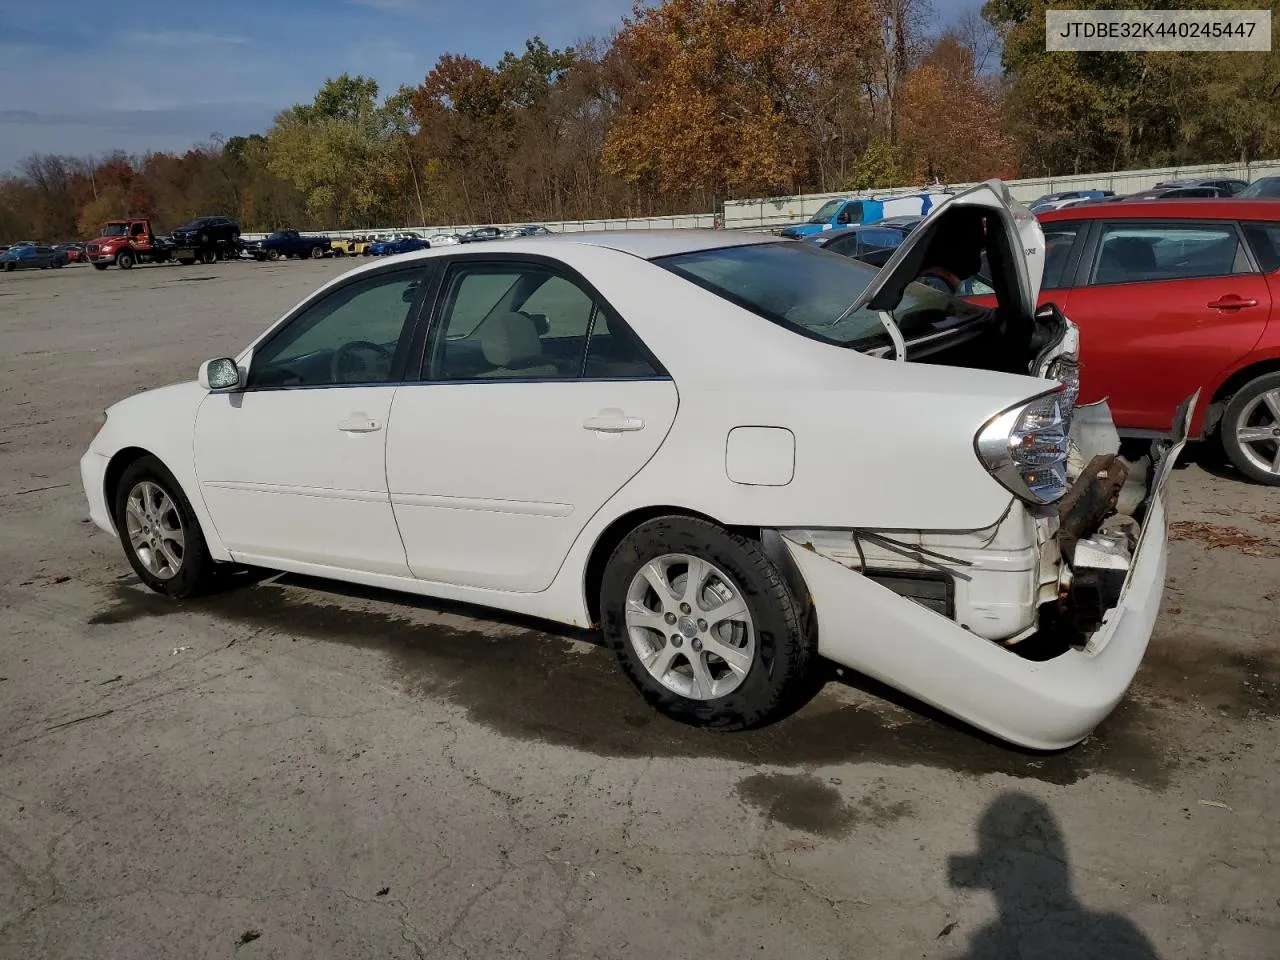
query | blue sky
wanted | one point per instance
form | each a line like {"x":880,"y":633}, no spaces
{"x":89,"y":77}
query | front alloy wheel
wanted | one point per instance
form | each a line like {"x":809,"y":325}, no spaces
{"x":159,"y":531}
{"x":1251,"y":429}
{"x":154,"y":528}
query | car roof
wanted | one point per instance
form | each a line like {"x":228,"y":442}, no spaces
{"x":1187,"y":208}
{"x":650,"y":244}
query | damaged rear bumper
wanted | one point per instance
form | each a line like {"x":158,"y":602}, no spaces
{"x":1047,"y":704}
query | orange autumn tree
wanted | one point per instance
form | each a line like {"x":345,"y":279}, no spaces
{"x":950,"y":127}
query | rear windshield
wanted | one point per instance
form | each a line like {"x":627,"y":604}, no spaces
{"x":809,"y":290}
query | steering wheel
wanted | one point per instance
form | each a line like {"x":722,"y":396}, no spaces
{"x":338,"y":364}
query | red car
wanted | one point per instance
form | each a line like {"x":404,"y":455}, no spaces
{"x":1172,"y":296}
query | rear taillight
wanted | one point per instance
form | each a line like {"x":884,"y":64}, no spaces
{"x":1025,"y":447}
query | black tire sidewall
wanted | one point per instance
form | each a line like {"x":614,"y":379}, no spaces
{"x":197,"y":566}
{"x":1228,"y":425}
{"x":783,"y":656}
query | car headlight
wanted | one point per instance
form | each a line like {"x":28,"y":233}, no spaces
{"x":1025,"y":447}
{"x":99,"y":422}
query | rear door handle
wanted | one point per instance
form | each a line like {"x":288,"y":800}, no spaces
{"x":1231,"y":302}
{"x":359,"y":423}
{"x":613,"y":424}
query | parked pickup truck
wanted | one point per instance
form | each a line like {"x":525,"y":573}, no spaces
{"x":126,"y":242}
{"x":852,"y":211}
{"x":290,"y":243}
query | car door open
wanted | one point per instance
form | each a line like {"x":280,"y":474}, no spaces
{"x":537,"y":405}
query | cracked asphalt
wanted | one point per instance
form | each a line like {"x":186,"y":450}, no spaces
{"x":294,"y":768}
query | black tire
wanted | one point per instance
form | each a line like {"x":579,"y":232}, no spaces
{"x":101,"y":266}
{"x":186,"y":261}
{"x":195,"y":570}
{"x":1243,"y":410}
{"x":273,"y":255}
{"x":125,"y":260}
{"x":209,"y":257}
{"x":339,"y":252}
{"x":10,"y":266}
{"x":317,"y":253}
{"x":204,"y":239}
{"x":782,"y":667}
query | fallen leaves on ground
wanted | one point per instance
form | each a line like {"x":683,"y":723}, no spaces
{"x":1217,"y":537}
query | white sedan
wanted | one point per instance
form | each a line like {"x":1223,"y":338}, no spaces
{"x":735,"y":454}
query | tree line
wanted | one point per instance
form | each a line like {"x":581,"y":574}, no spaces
{"x":687,"y":104}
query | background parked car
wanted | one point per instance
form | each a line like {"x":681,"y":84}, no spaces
{"x":1180,"y":192}
{"x":1266,"y":187}
{"x":351,"y":246}
{"x":400,"y":243}
{"x":72,"y":252}
{"x":284,"y":244}
{"x":1230,"y":185}
{"x":1171,"y":297}
{"x":1052,"y":201}
{"x":480,"y":234}
{"x":27,"y":256}
{"x":858,"y":241}
{"x":528,"y":230}
{"x":443,"y":239}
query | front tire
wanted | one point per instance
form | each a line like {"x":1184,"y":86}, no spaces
{"x":125,"y":261}
{"x":101,"y":266}
{"x":209,"y":257}
{"x":705,"y":625}
{"x":161,"y":537}
{"x":1250,"y":430}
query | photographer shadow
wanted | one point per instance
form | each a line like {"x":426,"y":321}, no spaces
{"x":1022,"y":860}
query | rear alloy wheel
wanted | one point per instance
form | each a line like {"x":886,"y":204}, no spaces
{"x":1250,"y":429}
{"x":125,"y":261}
{"x":317,"y":253}
{"x":209,"y":257}
{"x":705,"y":625}
{"x":159,"y":532}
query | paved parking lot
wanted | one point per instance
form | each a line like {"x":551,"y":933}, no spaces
{"x":301,"y":769}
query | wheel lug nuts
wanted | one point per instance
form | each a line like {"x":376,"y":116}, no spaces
{"x":677,"y":640}
{"x":702,"y":625}
{"x":684,"y":608}
{"x":670,"y":618}
{"x":697,"y":645}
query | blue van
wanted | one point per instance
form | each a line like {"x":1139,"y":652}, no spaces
{"x":851,"y":212}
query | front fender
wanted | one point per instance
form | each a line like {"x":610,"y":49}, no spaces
{"x":162,"y":422}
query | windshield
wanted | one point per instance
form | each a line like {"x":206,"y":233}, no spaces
{"x":808,"y":290}
{"x":826,"y":212}
{"x":115,"y":230}
{"x":1266,"y":187}
{"x":194,"y":225}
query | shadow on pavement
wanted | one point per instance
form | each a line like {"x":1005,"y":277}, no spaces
{"x":1022,"y":860}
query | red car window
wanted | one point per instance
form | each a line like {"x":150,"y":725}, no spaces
{"x":1135,"y":252}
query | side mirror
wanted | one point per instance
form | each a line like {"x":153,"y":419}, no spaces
{"x":220,"y":374}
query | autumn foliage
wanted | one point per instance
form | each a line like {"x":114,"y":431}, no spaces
{"x":689,"y":103}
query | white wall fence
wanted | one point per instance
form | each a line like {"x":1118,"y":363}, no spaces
{"x":774,"y":212}
{"x":781,"y":211}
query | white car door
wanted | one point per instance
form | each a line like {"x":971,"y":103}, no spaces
{"x":293,"y":466}
{"x":537,"y":404}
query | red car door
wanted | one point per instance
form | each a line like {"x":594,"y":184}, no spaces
{"x":1165,"y":307}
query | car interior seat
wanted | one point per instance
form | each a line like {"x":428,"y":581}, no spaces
{"x":1126,"y":258}
{"x":510,"y":343}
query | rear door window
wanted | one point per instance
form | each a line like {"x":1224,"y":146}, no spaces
{"x":1264,"y":238}
{"x":1143,"y":252}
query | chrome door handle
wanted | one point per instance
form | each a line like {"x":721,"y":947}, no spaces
{"x":613,"y":424}
{"x":359,"y":423}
